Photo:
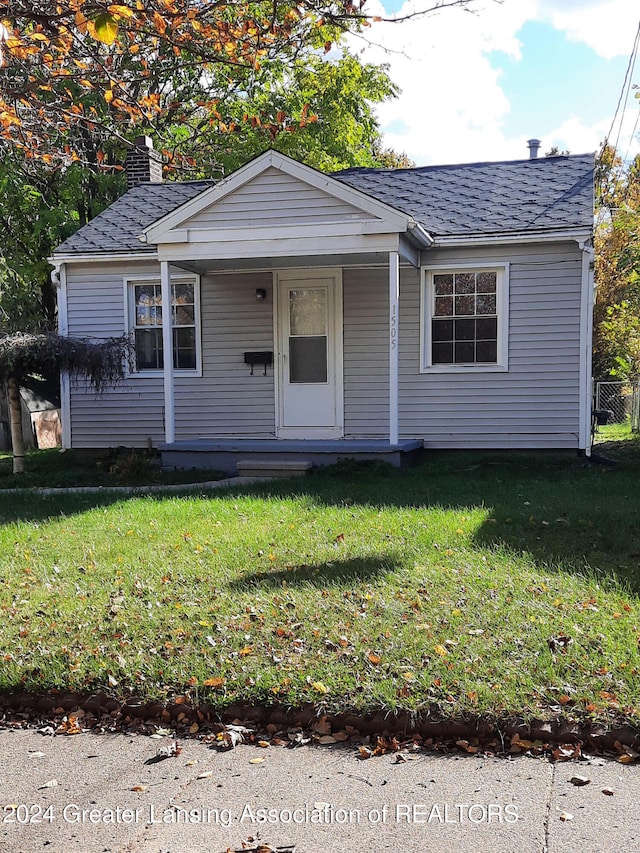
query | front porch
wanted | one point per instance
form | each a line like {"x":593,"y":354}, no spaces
{"x":225,"y":454}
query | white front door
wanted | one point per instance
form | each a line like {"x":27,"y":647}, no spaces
{"x":309,"y":334}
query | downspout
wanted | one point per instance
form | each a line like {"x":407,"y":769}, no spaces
{"x":59,"y":281}
{"x":586,"y":345}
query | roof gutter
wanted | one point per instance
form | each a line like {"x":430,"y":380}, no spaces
{"x":102,"y":256}
{"x":420,"y":235}
{"x":583,"y":233}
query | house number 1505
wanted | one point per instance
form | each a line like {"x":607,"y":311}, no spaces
{"x":393,"y":331}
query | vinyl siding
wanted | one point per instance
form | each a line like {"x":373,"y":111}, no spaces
{"x":227,"y":401}
{"x":131,"y":413}
{"x":366,"y":353}
{"x":271,"y":199}
{"x":533,"y":405}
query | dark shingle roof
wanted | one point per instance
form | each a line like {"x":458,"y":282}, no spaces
{"x":487,"y":198}
{"x":473,"y":198}
{"x":118,"y":228}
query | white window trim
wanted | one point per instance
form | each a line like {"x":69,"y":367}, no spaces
{"x":129,"y":310}
{"x":502,"y":310}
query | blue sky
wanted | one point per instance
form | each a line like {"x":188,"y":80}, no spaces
{"x":476,"y":87}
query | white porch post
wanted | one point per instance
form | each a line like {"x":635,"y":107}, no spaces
{"x":167,"y":348}
{"x":394,"y":295}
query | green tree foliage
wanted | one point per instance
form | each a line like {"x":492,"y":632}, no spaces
{"x":617,"y":241}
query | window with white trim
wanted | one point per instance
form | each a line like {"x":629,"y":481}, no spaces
{"x":465,"y":318}
{"x":145,"y":322}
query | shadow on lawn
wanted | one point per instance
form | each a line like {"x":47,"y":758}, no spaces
{"x":565,"y":513}
{"x":333,"y":573}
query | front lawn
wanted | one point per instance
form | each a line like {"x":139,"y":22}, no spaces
{"x":483,"y":584}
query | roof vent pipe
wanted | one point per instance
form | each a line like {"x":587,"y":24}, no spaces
{"x":534,"y":147}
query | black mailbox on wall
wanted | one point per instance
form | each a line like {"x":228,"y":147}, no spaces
{"x":261,"y":358}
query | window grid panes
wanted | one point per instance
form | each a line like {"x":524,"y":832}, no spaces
{"x":464,"y":323}
{"x":147,"y":298}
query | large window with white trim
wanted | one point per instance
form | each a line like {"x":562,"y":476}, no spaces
{"x":464,"y":318}
{"x":144,"y":298}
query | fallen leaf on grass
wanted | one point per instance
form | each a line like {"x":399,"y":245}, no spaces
{"x":215,"y":683}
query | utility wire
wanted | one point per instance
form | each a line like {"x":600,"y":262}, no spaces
{"x":624,"y":92}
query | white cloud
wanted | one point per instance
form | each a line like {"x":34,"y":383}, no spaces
{"x":453,"y":107}
{"x":607,"y":26}
{"x":452,"y":104}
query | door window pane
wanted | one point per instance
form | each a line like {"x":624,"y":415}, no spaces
{"x":308,"y":311}
{"x":308,"y":359}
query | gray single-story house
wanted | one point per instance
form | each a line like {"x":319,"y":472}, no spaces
{"x":371,"y":309}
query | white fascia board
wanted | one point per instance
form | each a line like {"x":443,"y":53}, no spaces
{"x":521,"y":237}
{"x":103,"y":256}
{"x":279,"y":247}
{"x":393,"y":219}
{"x":235,"y":236}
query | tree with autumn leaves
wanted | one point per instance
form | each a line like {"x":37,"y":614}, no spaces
{"x":213,"y":83}
{"x":617,"y":243}
{"x":80,"y":69}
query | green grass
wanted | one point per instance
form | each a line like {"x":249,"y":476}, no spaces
{"x":66,"y":469}
{"x":484,"y":584}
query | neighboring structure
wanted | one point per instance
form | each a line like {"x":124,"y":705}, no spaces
{"x":446,"y":305}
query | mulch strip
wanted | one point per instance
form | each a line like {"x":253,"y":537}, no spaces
{"x":559,"y":738}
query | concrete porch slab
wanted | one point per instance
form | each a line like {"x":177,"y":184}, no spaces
{"x":224,"y":454}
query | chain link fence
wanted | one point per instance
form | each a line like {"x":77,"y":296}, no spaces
{"x":616,"y":404}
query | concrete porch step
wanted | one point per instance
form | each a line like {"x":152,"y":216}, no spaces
{"x":274,"y":467}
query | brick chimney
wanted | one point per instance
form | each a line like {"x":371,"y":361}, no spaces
{"x":144,"y":165}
